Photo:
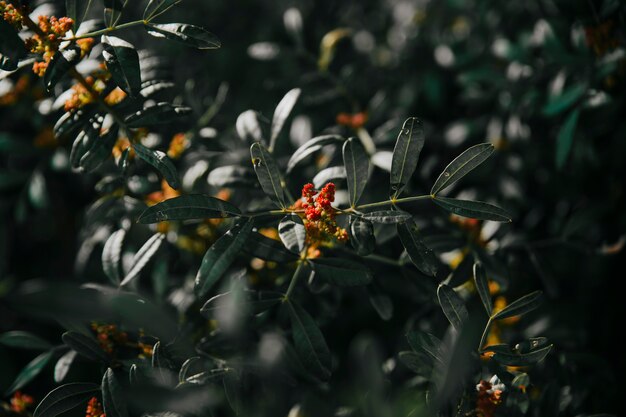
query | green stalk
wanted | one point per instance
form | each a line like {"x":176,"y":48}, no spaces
{"x":108,"y":30}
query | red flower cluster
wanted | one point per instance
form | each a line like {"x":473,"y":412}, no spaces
{"x":354,"y":121}
{"x":20,"y":402}
{"x":109,"y":336}
{"x":94,"y":408}
{"x":488,"y":399}
{"x":319,"y":215}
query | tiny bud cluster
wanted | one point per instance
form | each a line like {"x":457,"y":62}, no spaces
{"x":319,"y":215}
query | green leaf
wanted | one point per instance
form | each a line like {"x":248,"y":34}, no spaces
{"x":310,"y":147}
{"x":73,"y":120}
{"x":416,"y":362}
{"x":157,"y":7}
{"x":482,"y":287}
{"x":29,"y":372}
{"x":221,"y":255}
{"x":421,"y":256}
{"x":405,"y":154}
{"x":161,"y":162}
{"x":461,"y":273}
{"x":187,"y":207}
{"x":524,"y":359}
{"x":520,"y":306}
{"x":113,"y":399}
{"x":362,"y":236}
{"x":100,"y":151}
{"x":62,"y":366}
{"x":143,"y":256}
{"x":268,"y":249}
{"x":309,"y":341}
{"x":283,"y":109}
{"x":160,"y":113}
{"x":357,"y":166}
{"x":452,"y":305}
{"x":113,"y":11}
{"x":565,"y":138}
{"x":122,"y":61}
{"x":267,"y":173}
{"x":566,"y":99}
{"x":86,"y":139}
{"x":11,"y":45}
{"x":232,"y":176}
{"x":341,"y":272}
{"x":232,"y":389}
{"x":24,"y":340}
{"x":77,"y":10}
{"x":329,"y":174}
{"x":65,"y":398}
{"x":461,"y":165}
{"x":473,"y":209}
{"x":387,"y":216}
{"x":254,"y":302}
{"x":111,"y":255}
{"x":61,"y":62}
{"x":292,"y":233}
{"x":85,"y":346}
{"x":190,"y":35}
{"x":425,"y":343}
{"x":248,"y":126}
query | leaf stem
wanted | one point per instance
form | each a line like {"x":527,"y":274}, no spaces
{"x":107,"y":30}
{"x":483,"y":338}
{"x":394,"y":201}
{"x":294,"y":279}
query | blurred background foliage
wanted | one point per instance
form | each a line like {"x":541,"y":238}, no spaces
{"x":544,"y":81}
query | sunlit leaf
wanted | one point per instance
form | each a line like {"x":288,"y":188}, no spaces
{"x":122,"y":61}
{"x":283,"y":109}
{"x":189,"y":35}
{"x":310,"y":147}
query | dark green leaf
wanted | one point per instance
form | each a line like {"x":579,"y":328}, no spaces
{"x":525,"y":359}
{"x":160,"y":113}
{"x":111,"y":255}
{"x":11,"y":45}
{"x":62,"y":366}
{"x":405,"y":154}
{"x":221,"y":255}
{"x":362,"y":236}
{"x":73,"y":120}
{"x":85,"y":346}
{"x":342,"y":272}
{"x":452,"y":305}
{"x":461,"y":273}
{"x":421,"y":256}
{"x":292,"y":233}
{"x":143,"y":256}
{"x":254,"y":302}
{"x":161,"y":162}
{"x":482,"y":287}
{"x":383,"y":305}
{"x":520,"y":306}
{"x":566,"y":99}
{"x":425,"y":343}
{"x":328,"y":175}
{"x":310,"y":147}
{"x":268,"y":249}
{"x":283,"y":109}
{"x":357,"y":165}
{"x":29,"y":372}
{"x":232,"y":389}
{"x":113,"y":11}
{"x":186,"y":207}
{"x":157,"y":7}
{"x":268,"y":174}
{"x":65,"y":398}
{"x":24,"y":340}
{"x":309,"y":341}
{"x":387,"y":216}
{"x":461,"y":165}
{"x":473,"y":209}
{"x":188,"y":34}
{"x":77,"y":10}
{"x":100,"y":151}
{"x":122,"y":61}
{"x":61,"y":62}
{"x":86,"y":139}
{"x":565,"y":138}
{"x":416,"y":362}
{"x":112,"y":396}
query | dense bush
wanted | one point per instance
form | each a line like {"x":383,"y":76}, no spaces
{"x":385,"y":208}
